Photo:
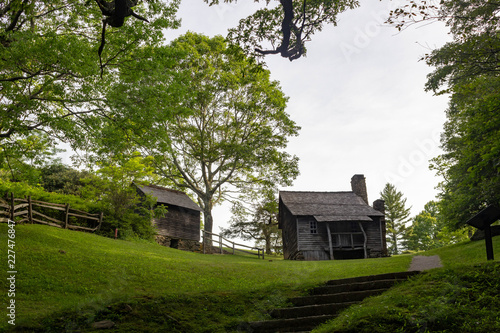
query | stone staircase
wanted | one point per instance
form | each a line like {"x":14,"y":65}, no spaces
{"x":326,"y":301}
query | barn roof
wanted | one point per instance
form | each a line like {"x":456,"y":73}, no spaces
{"x":328,"y":206}
{"x":169,"y":197}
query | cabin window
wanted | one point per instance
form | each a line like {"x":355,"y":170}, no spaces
{"x":313,"y":226}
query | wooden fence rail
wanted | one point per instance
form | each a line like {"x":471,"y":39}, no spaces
{"x":208,"y":240}
{"x":28,"y":211}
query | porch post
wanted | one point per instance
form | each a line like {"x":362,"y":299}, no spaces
{"x":365,"y":239}
{"x":329,"y":239}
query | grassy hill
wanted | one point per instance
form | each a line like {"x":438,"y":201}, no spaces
{"x":67,"y":280}
{"x":459,"y":299}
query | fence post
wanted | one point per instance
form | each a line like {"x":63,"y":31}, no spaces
{"x":67,"y":217}
{"x":220,"y":244}
{"x":12,"y":206}
{"x":100,"y":220}
{"x":30,"y":210}
{"x":233,"y":248}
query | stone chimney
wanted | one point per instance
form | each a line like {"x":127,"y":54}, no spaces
{"x":379,"y":205}
{"x":358,"y":185}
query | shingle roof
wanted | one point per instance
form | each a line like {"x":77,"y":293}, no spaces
{"x":328,"y":206}
{"x":169,"y":197}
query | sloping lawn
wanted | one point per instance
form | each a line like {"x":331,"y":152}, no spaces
{"x":70,"y":279}
{"x":464,"y":296}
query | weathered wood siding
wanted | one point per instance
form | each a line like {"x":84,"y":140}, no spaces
{"x":179,"y":223}
{"x":288,"y":224}
{"x":312,"y":246}
{"x":375,"y":243}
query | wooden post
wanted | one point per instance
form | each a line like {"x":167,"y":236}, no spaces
{"x":220,"y":244}
{"x":489,"y":242}
{"x":329,"y":240}
{"x":483,"y":221}
{"x":365,"y":237}
{"x":263,"y":254}
{"x":233,"y":248}
{"x":100,"y":220}
{"x":30,"y":210}
{"x":66,"y":217}
{"x":12,"y":206}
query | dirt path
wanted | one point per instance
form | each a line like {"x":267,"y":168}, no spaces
{"x":422,"y":263}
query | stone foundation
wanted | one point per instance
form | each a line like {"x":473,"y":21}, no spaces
{"x":179,"y":244}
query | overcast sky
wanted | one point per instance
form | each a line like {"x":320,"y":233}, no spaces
{"x":358,"y":96}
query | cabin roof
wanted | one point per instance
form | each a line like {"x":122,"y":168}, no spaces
{"x":169,"y":197}
{"x":328,"y":206}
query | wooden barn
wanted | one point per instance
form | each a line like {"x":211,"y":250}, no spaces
{"x":332,"y":225}
{"x":182,"y":222}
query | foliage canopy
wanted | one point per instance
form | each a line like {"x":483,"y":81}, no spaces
{"x":285,"y":27}
{"x":468,"y":68}
{"x":218,"y":125}
{"x":49,"y":71}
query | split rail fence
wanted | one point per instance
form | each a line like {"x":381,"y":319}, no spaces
{"x":57,"y":215}
{"x":208,"y":241}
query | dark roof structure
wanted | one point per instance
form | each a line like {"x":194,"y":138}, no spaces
{"x":487,"y":216}
{"x":169,"y":197}
{"x":329,"y":206}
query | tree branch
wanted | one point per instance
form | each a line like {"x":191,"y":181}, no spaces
{"x":286,"y":28}
{"x":15,"y":19}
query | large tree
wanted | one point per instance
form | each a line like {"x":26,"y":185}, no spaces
{"x":57,"y":57}
{"x":429,"y":230}
{"x":470,"y":164}
{"x":396,"y":216}
{"x":218,"y":123}
{"x":50,"y":76}
{"x":468,"y":68}
{"x":422,"y":234}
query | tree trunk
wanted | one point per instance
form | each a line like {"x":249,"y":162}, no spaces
{"x":267,"y":233}
{"x":395,"y":240}
{"x":208,"y":220}
{"x":268,"y":244}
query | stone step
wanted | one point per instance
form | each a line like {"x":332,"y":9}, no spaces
{"x":353,"y":296}
{"x":359,"y":286}
{"x":310,"y":310}
{"x":289,"y":325}
{"x":326,"y":301}
{"x":387,"y":276}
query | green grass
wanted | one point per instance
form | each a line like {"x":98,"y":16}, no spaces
{"x":461,"y":297}
{"x":67,"y":280}
{"x":67,"y":271}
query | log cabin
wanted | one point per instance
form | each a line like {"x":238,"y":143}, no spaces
{"x":332,"y":225}
{"x":180,"y":227}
